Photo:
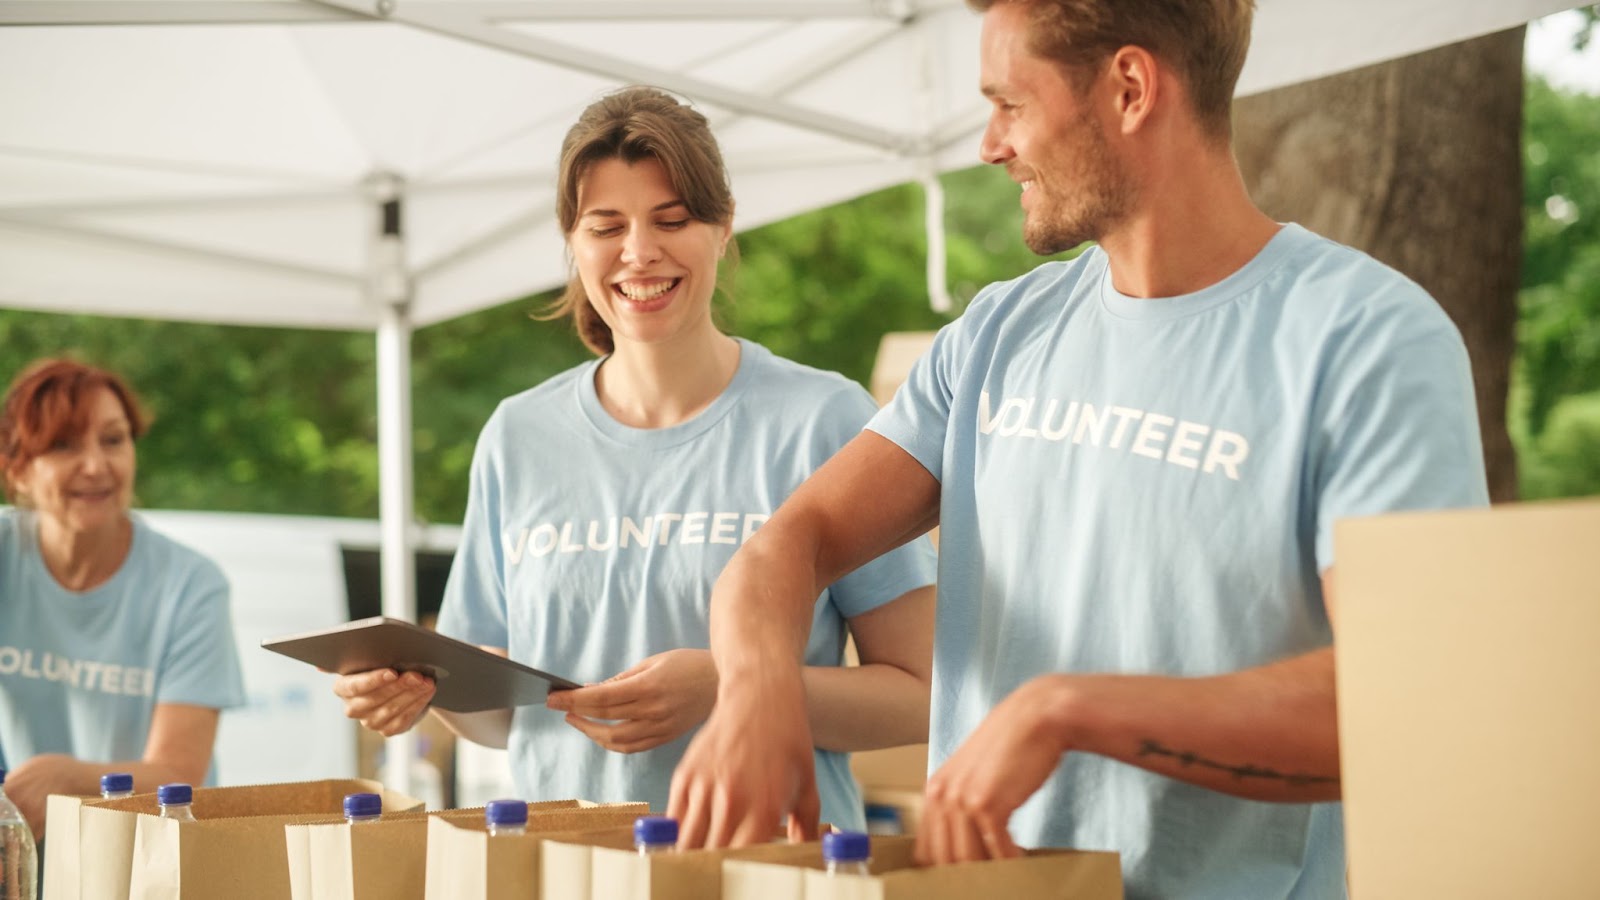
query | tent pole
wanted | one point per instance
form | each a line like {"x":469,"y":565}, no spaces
{"x":389,"y":287}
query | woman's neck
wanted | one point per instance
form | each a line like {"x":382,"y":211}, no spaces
{"x":84,"y":560}
{"x":661,"y":385}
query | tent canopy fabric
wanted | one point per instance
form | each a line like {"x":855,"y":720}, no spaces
{"x":222,"y":160}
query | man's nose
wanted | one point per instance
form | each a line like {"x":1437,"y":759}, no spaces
{"x":993,"y":148}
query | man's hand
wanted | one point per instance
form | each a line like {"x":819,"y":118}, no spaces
{"x":749,"y":767}
{"x":971,"y":798}
{"x":31,"y":783}
{"x":653,"y":703}
{"x":385,"y":700}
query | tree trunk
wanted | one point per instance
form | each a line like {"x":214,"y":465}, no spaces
{"x":1419,"y":163}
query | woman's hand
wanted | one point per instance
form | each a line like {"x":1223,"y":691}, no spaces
{"x":384,"y":700}
{"x":655,"y":702}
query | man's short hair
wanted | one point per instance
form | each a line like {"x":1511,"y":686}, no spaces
{"x":1205,"y":40}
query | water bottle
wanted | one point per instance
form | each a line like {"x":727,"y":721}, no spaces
{"x":116,"y":785}
{"x":175,"y":800}
{"x":506,"y":817}
{"x":360,"y":808}
{"x":655,"y":834}
{"x":19,"y":860}
{"x":884,"y":819}
{"x":847,"y":852}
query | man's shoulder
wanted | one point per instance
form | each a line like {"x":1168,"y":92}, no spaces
{"x":1318,"y":258}
{"x":1356,"y":288}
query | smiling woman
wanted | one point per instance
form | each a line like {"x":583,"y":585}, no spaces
{"x":116,"y":643}
{"x":605,"y":501}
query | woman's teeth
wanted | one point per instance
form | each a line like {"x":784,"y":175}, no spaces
{"x":645,"y":291}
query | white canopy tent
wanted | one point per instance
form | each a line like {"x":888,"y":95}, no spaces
{"x":387,"y":165}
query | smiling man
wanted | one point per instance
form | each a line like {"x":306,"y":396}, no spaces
{"x":1136,"y":459}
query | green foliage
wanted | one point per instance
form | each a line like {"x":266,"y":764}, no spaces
{"x":1591,"y":21}
{"x":823,"y":288}
{"x":460,"y":370}
{"x":1558,"y":336}
{"x":259,"y":419}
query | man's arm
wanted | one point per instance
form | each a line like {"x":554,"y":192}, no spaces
{"x":1265,"y":733}
{"x":751,"y":763}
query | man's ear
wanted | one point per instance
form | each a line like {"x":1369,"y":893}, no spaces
{"x":1138,"y":81}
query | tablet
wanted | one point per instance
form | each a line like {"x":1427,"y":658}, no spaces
{"x":469,"y":678}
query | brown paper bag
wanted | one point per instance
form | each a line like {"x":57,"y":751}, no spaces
{"x":236,"y":849}
{"x":61,"y":860}
{"x":90,"y":852}
{"x":387,"y":859}
{"x":605,"y":864}
{"x":1041,"y":875}
{"x":464,"y":864}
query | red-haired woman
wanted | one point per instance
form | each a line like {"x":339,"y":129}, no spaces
{"x":116,"y":643}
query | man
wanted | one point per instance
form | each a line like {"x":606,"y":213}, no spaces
{"x":1136,"y":459}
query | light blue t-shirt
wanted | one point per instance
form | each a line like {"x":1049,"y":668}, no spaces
{"x":82,"y":673}
{"x":589,"y":546}
{"x":1149,"y":486}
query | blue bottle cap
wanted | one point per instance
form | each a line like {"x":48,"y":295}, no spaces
{"x":506,"y":812}
{"x":116,"y":782}
{"x":363,"y":805}
{"x":846,"y":846}
{"x":655,"y":830}
{"x":174,"y":794}
{"x":882,"y":812}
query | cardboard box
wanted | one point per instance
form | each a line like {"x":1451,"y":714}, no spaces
{"x":91,"y":851}
{"x":1041,"y":875}
{"x":897,"y":353}
{"x":1468,"y":660}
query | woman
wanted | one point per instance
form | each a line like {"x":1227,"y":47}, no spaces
{"x":605,"y":501}
{"x":116,"y":643}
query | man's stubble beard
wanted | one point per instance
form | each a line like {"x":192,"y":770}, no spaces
{"x":1105,"y":194}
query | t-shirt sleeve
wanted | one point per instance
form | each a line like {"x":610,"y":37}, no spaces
{"x":474,"y":606}
{"x":891,"y":575}
{"x":918,"y":416}
{"x":1399,"y":424}
{"x":200,"y":666}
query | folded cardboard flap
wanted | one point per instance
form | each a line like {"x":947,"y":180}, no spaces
{"x":1467,"y":658}
{"x":464,"y":864}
